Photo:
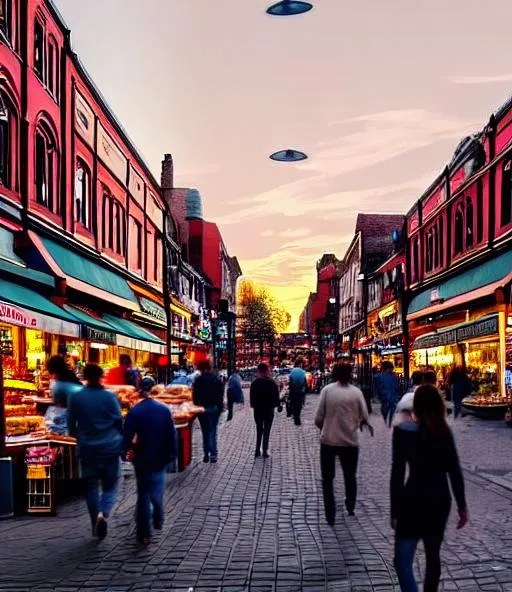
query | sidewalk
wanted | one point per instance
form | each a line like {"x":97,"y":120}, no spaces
{"x":258,"y":525}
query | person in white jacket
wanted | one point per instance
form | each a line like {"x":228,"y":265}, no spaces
{"x":405,"y":408}
{"x":341,"y":413}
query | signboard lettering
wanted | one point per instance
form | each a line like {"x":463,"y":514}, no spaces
{"x":16,"y":316}
{"x":99,"y":335}
{"x":152,"y":309}
{"x":482,"y":328}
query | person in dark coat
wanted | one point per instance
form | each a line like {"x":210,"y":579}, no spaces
{"x":150,"y":443}
{"x":208,"y":392}
{"x":420,"y":506}
{"x":460,"y":386}
{"x":264,"y":400}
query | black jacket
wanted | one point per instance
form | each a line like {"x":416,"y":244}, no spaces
{"x":208,"y":391}
{"x":264,"y":395}
{"x":421,"y":505}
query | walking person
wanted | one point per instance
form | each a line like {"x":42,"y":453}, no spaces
{"x":460,"y":386}
{"x":405,"y":407}
{"x":420,"y":506}
{"x":264,"y":400}
{"x":64,"y":382}
{"x":341,"y":413}
{"x":297,"y":384}
{"x":124,"y":374}
{"x":386,"y":384}
{"x":235,"y":393}
{"x":150,"y":443}
{"x":208,"y":392}
{"x":94,"y":417}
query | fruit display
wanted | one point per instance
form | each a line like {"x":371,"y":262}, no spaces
{"x":492,"y":400}
{"x":175,"y":394}
{"x":127,"y":396}
{"x":20,"y":410}
{"x":21,"y":426}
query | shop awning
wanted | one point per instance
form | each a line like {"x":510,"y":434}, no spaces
{"x":25,"y":307}
{"x":481,"y":328}
{"x":479,"y":281}
{"x":94,"y":329}
{"x":84,"y":274}
{"x":130,"y":329}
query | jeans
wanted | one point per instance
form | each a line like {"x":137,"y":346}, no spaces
{"x":209,"y":421}
{"x":405,"y":550}
{"x":457,"y":406}
{"x":106,"y":472}
{"x":388,"y":411}
{"x":263,"y":427}
{"x":296,"y":403}
{"x":349,"y":456}
{"x":150,"y":492}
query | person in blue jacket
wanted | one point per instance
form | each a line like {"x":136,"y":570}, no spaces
{"x":235,"y":393}
{"x":150,"y":443}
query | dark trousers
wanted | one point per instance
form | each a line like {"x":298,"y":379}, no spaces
{"x":296,"y":405}
{"x":263,"y":427}
{"x":150,"y":501}
{"x":348,"y":456}
{"x":405,"y":550}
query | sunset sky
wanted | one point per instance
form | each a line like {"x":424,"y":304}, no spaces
{"x":377,"y":93}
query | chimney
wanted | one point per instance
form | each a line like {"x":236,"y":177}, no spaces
{"x":167,"y":179}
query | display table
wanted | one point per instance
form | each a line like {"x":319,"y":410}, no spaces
{"x":485,"y":411}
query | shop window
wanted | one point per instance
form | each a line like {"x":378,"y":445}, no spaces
{"x":53,"y":68}
{"x":82,"y":191}
{"x":118,"y":229}
{"x":506,"y":193}
{"x":8,"y":141}
{"x":46,"y":173}
{"x":6,"y":20}
{"x":39,"y":50}
{"x":479,"y":212}
{"x":459,"y":229}
{"x":469,"y":223}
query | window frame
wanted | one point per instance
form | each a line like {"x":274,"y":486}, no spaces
{"x":52,"y":69}
{"x":45,"y":139}
{"x":7,"y":7}
{"x":41,"y":69}
{"x":11,"y":121}
{"x":83,"y":216}
{"x":469,"y":224}
{"x":459,"y":228}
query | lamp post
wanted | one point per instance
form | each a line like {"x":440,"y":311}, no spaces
{"x":289,"y":8}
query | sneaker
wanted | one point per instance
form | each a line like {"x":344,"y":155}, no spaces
{"x":144,"y":541}
{"x":206,"y":459}
{"x":257,"y":454}
{"x":213,"y":460}
{"x":101,"y":528}
{"x":266,"y":455}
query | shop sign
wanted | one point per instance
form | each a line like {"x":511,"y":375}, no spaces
{"x":16,"y":316}
{"x":152,"y":309}
{"x":99,"y":335}
{"x":482,"y":328}
{"x":139,"y":345}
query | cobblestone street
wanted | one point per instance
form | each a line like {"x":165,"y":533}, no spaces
{"x":258,"y":525}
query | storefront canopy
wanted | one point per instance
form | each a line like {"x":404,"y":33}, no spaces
{"x":32,"y":310}
{"x":477,"y":282}
{"x":130,"y":329}
{"x":86,"y":272}
{"x":481,"y":328}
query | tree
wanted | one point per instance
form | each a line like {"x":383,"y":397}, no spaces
{"x":261,"y":318}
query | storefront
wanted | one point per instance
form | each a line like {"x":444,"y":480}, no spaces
{"x":476,"y":346}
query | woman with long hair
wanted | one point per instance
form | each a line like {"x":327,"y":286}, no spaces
{"x":64,"y":381}
{"x":421,"y":505}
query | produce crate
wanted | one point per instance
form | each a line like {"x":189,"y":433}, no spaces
{"x":41,"y":489}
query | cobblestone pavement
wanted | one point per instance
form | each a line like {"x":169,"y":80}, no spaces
{"x":258,"y":525}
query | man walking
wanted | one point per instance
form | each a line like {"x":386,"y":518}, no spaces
{"x":297,"y":390}
{"x":150,"y":443}
{"x":208,"y":392}
{"x":340,"y":415}
{"x":235,"y":393}
{"x":264,"y":399}
{"x":94,"y":417}
{"x":386,"y":384}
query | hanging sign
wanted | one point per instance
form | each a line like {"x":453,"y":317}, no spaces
{"x":482,"y":328}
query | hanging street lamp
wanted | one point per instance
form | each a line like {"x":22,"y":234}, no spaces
{"x":289,"y":155}
{"x":289,"y":8}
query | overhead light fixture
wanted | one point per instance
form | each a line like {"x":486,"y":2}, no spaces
{"x":289,"y":8}
{"x":288,"y":155}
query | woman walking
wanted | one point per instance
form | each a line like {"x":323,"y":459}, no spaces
{"x":420,"y":506}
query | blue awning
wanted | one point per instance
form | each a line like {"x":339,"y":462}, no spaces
{"x":88,"y":271}
{"x":477,"y":277}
